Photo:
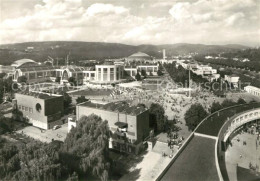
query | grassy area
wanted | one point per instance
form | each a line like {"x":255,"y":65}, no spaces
{"x":212,"y":125}
{"x":196,"y":162}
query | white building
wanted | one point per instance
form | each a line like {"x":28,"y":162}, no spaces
{"x":148,"y":69}
{"x":205,"y":70}
{"x":252,"y":90}
{"x":109,"y":73}
{"x":232,"y":79}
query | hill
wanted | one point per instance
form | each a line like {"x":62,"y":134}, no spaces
{"x":39,"y":51}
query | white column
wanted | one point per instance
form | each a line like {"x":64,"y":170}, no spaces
{"x":102,"y":74}
{"x":115,"y":72}
{"x":108,"y":74}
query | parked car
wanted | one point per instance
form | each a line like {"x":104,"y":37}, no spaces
{"x":56,"y":127}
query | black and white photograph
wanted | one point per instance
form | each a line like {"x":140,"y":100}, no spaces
{"x":129,"y":90}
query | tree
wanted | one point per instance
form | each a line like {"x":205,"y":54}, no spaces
{"x":241,"y":101}
{"x":215,"y":107}
{"x":194,"y":115}
{"x":31,"y":161}
{"x":81,"y":99}
{"x":88,"y":146}
{"x":157,"y":117}
{"x":57,"y":79}
{"x":138,"y":77}
{"x":159,"y":73}
{"x":228,"y":103}
{"x":22,"y":79}
{"x":67,"y":100}
{"x":72,"y":81}
{"x":141,"y":105}
{"x":143,"y":73}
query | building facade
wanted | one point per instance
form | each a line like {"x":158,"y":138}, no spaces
{"x":109,"y":73}
{"x":41,"y":110}
{"x":252,"y":90}
{"x":129,"y":125}
{"x":232,"y":79}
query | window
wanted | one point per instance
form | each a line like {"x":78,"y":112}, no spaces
{"x":23,"y":108}
{"x":19,"y":107}
{"x":38,"y":107}
{"x":105,"y":70}
{"x":26,"y":109}
{"x":30,"y":110}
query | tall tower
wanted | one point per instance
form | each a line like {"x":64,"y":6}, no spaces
{"x":164,"y":54}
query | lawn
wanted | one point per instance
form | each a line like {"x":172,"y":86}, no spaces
{"x":196,"y":162}
{"x":212,"y":125}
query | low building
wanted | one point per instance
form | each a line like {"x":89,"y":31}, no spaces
{"x":6,"y":69}
{"x":89,"y":74}
{"x":33,"y":71}
{"x":205,"y":70}
{"x":42,"y":110}
{"x":72,"y":71}
{"x":129,"y":124}
{"x":132,"y":71}
{"x":252,"y":90}
{"x":152,"y":69}
{"x":232,"y":79}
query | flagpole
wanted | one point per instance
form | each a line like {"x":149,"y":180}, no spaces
{"x":189,"y":79}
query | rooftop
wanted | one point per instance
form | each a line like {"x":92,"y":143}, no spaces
{"x":120,"y":106}
{"x":139,"y":54}
{"x":40,"y":95}
{"x":252,"y":87}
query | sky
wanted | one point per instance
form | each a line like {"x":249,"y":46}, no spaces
{"x":132,"y":22}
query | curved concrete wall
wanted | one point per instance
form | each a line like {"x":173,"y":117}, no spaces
{"x":226,"y":131}
{"x":239,"y":120}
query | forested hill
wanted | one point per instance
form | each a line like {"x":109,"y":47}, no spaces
{"x":39,"y":51}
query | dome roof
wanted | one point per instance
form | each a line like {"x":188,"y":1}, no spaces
{"x":140,"y":54}
{"x":20,"y":62}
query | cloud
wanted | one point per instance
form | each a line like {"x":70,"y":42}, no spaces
{"x":105,"y":9}
{"x":162,"y":4}
{"x":201,"y":21}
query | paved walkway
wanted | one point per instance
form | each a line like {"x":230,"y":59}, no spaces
{"x":242,"y":154}
{"x":47,"y":135}
{"x":151,"y":166}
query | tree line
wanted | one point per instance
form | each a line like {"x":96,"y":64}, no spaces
{"x":196,"y":113}
{"x":83,"y":155}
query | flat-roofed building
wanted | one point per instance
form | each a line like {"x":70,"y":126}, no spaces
{"x":109,"y":73}
{"x":89,"y":74}
{"x":6,"y":69}
{"x":129,"y":124}
{"x":232,"y":79}
{"x":42,"y":110}
{"x":149,"y":68}
{"x":33,"y":71}
{"x":252,"y":90}
{"x":130,"y":70}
